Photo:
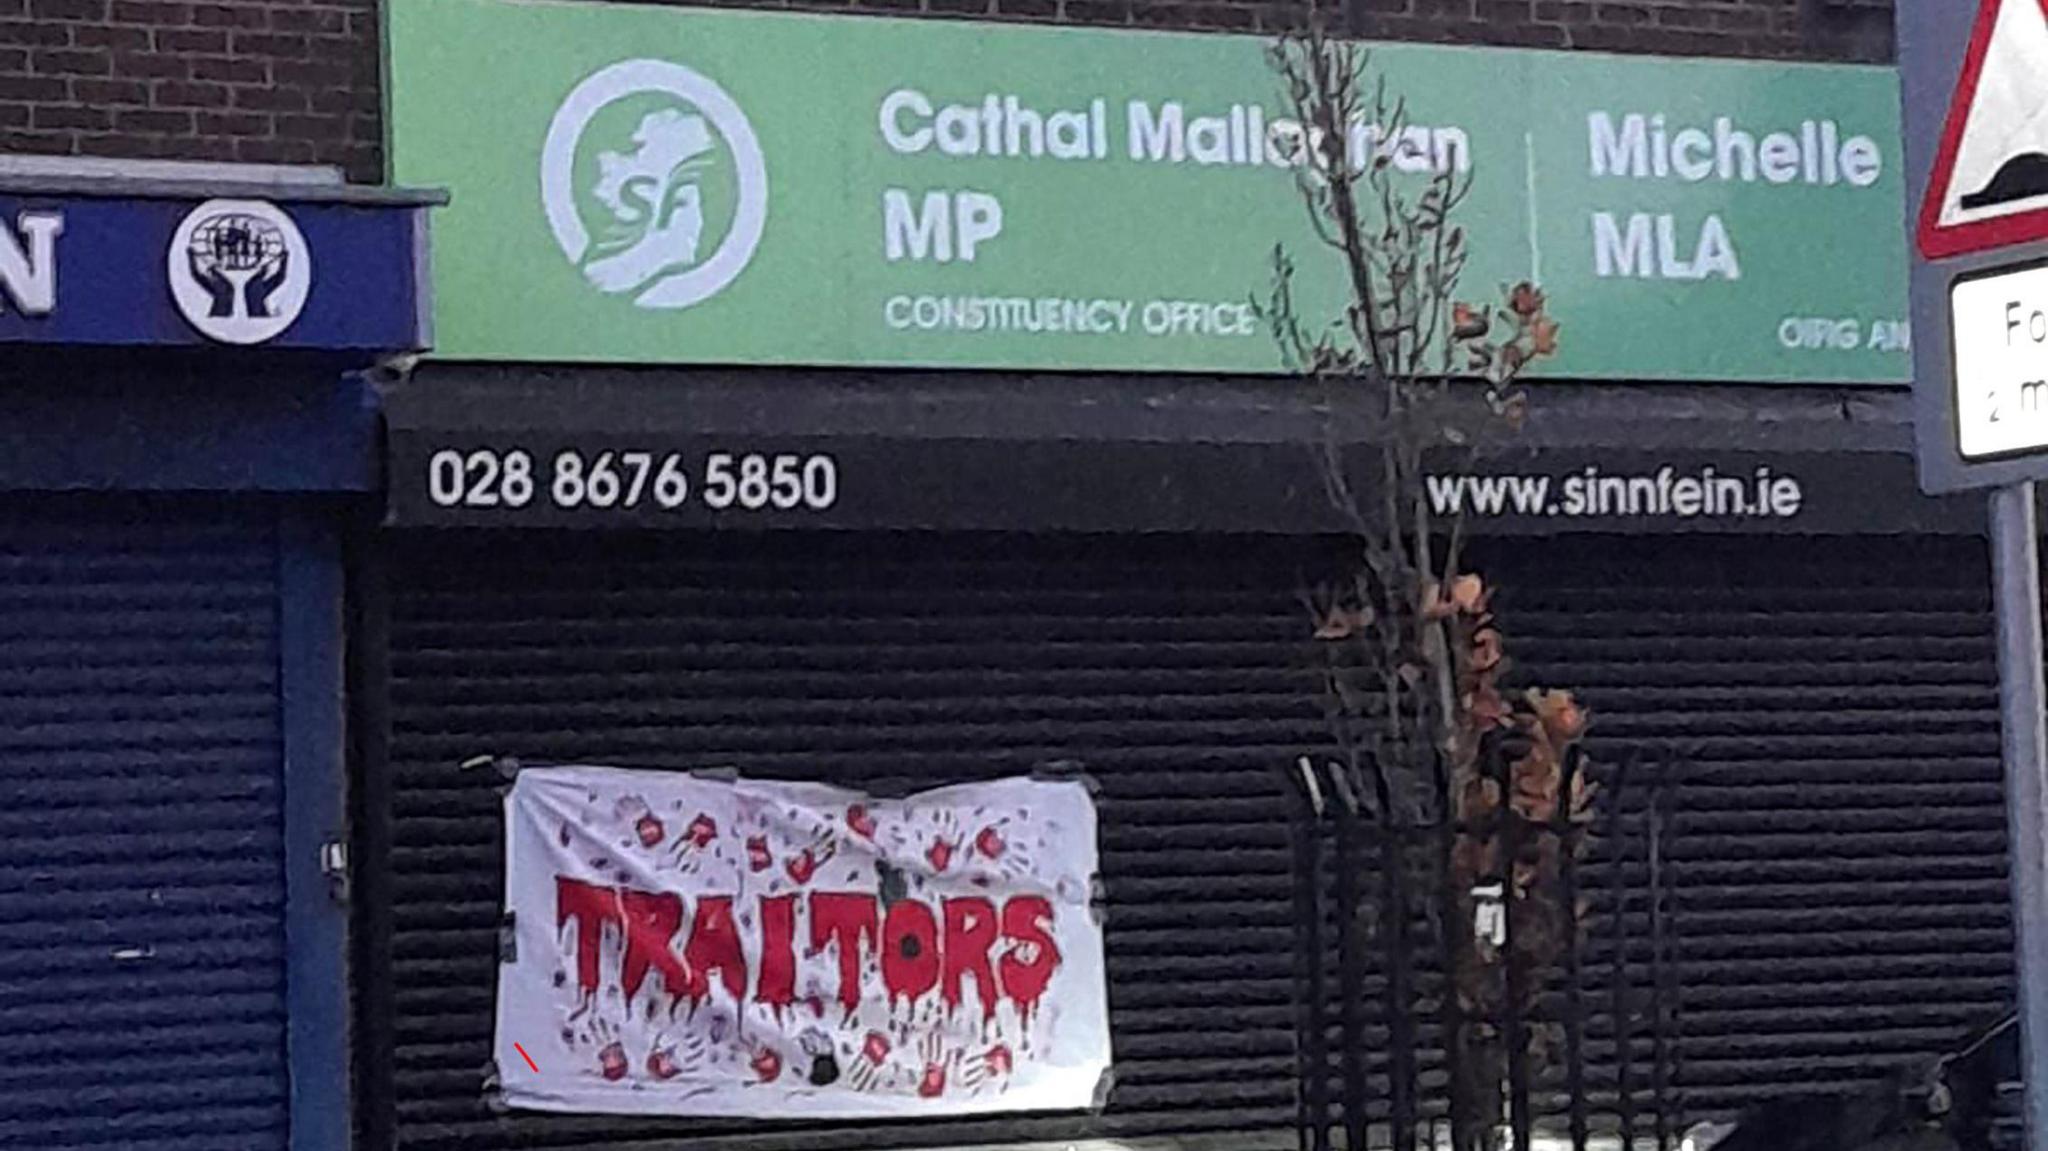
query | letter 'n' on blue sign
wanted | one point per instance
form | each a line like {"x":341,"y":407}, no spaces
{"x":28,"y":262}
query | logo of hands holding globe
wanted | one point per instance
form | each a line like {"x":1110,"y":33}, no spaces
{"x":240,"y":260}
{"x":239,"y":270}
{"x":654,"y":184}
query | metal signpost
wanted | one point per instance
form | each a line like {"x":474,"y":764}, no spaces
{"x":1975,"y":90}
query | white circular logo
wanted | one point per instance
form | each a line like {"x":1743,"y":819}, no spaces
{"x":239,"y":270}
{"x":654,"y":183}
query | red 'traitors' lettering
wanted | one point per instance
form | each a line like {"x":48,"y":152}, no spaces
{"x":1027,"y":921}
{"x":592,"y":908}
{"x":715,"y":946}
{"x":918,"y":950}
{"x":778,"y":952}
{"x":910,"y":950}
{"x":970,"y":933}
{"x":846,"y":919}
{"x":652,"y":919}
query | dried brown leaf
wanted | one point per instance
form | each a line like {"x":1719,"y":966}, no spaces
{"x":1468,"y":593}
{"x":1467,"y":322}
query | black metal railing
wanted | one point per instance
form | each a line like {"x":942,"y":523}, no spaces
{"x":1422,"y":1020}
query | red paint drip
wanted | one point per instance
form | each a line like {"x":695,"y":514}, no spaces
{"x":528,"y":1058}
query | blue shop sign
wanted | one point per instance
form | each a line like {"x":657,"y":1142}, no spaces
{"x":337,"y":274}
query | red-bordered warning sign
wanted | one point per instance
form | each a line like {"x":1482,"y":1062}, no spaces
{"x":1989,"y":185}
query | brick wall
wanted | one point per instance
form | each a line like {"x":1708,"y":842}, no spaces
{"x":270,"y":81}
{"x":1834,"y":30}
{"x":295,"y":81}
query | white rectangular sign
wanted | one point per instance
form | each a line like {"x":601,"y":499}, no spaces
{"x":694,"y":946}
{"x":2000,"y":328}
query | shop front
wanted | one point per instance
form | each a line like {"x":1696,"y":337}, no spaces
{"x":882,"y":405}
{"x":182,"y":448}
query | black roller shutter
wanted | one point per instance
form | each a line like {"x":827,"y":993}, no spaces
{"x":141,"y":871}
{"x":1838,"y":843}
{"x":1839,"y":837}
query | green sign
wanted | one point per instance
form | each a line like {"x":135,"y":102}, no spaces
{"x":675,"y":185}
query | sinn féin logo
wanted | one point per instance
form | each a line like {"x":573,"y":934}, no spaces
{"x":239,"y":270}
{"x":654,"y":183}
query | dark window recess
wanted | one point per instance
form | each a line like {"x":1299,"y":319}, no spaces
{"x":1838,"y":840}
{"x":141,"y":866}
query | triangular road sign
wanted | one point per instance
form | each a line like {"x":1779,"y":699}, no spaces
{"x":1989,"y":185}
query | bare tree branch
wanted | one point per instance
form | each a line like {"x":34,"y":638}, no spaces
{"x":1412,"y":655}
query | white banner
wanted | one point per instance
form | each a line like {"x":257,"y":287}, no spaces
{"x":690,"y":946}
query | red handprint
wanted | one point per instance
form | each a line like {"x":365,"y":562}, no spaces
{"x":990,"y":842}
{"x":611,"y":1051}
{"x":1004,"y":851}
{"x":947,"y":839}
{"x":702,"y":831}
{"x":649,"y":829}
{"x":860,"y":821}
{"x":993,"y":1064}
{"x":937,"y":1060}
{"x":871,"y":1070}
{"x":758,"y":857}
{"x":767,"y":1064}
{"x":806,"y":863}
{"x":669,"y":1060}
